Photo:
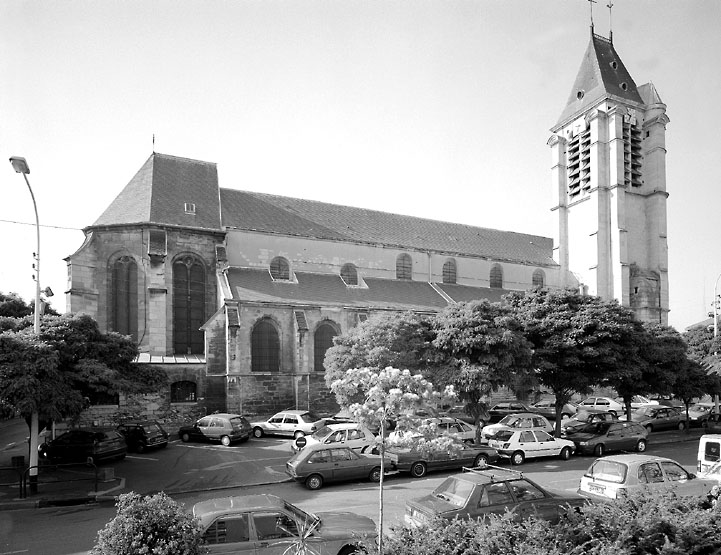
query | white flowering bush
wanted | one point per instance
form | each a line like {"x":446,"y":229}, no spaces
{"x":155,"y":525}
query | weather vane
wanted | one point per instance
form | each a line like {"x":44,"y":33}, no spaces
{"x":610,"y":20}
{"x":591,"y":3}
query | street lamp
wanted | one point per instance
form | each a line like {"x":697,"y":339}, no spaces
{"x":20,"y":165}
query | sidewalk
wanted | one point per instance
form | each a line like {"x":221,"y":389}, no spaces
{"x":75,"y":486}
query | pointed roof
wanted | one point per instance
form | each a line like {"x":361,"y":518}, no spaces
{"x":601,"y":75}
{"x":158,"y":194}
{"x":245,"y":210}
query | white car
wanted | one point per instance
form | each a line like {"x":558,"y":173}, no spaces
{"x":348,"y":434}
{"x":638,"y":401}
{"x":519,"y":445}
{"x":454,"y":427}
{"x":289,"y":423}
{"x":602,"y":403}
{"x":525,"y":420}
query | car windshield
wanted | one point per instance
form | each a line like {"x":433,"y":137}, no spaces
{"x":646,"y":411}
{"x":584,"y":415}
{"x":322,"y":432}
{"x":504,"y":435}
{"x":608,"y":471}
{"x":300,"y":515}
{"x":237,"y":422}
{"x":454,"y":491}
{"x":596,"y":428}
{"x":509,"y":420}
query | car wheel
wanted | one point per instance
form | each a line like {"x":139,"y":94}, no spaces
{"x":418,"y":469}
{"x":375,"y":475}
{"x":349,"y":550}
{"x":565,"y":453}
{"x":518,"y":457}
{"x":480,"y":460}
{"x":314,"y":481}
{"x":682,"y":426}
{"x":298,"y":434}
{"x":641,"y":445}
{"x":225,"y":441}
{"x":185,"y":437}
{"x":599,"y":450}
{"x":649,"y":429}
{"x":257,"y":432}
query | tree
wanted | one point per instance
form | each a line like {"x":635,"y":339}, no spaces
{"x":389,"y":393}
{"x":151,"y":524}
{"x":486,"y":349}
{"x":396,"y":340}
{"x":578,"y":340}
{"x":69,"y":361}
{"x":12,"y":306}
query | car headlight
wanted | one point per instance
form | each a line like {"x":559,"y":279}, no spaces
{"x":583,"y":443}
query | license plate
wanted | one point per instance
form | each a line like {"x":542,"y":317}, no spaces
{"x":593,"y":488}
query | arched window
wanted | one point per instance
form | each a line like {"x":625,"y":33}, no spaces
{"x":349,"y":274}
{"x":449,"y":271}
{"x":279,"y":268}
{"x":188,"y":306}
{"x":322,"y":341}
{"x":265,"y":348}
{"x":183,"y":392}
{"x":539,"y":278}
{"x":404,"y":266}
{"x":497,"y":276}
{"x":124,"y":316}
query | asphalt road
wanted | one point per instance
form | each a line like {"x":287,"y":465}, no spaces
{"x":193,"y":472}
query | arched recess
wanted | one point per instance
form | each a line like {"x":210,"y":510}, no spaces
{"x":188,"y":305}
{"x":539,"y":278}
{"x":265,"y":347}
{"x":449,"y":271}
{"x":280,"y":268}
{"x":496,"y":276}
{"x":322,"y":341}
{"x":123,"y":317}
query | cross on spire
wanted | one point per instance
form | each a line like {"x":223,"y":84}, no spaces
{"x":591,"y":3}
{"x":610,"y":20}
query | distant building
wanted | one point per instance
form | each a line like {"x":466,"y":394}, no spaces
{"x":238,"y":295}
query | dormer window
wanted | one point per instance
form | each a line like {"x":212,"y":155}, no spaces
{"x":190,"y":208}
{"x":280,"y":269}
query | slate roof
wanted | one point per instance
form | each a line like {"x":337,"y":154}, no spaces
{"x":261,"y":212}
{"x":329,"y":290}
{"x":158,"y":192}
{"x":599,"y":79}
{"x":466,"y":293}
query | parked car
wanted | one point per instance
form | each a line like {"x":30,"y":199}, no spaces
{"x":600,"y":437}
{"x":712,"y":423}
{"x":658,"y":418}
{"x":637,"y":401}
{"x":289,"y":423}
{"x":419,"y":462}
{"x":504,"y":408}
{"x":698,"y":413}
{"x":602,"y":403}
{"x":264,"y":524}
{"x":709,"y":454}
{"x":91,"y":445}
{"x":519,"y":445}
{"x":527,"y":421}
{"x":459,"y":412}
{"x":141,"y":435}
{"x":547,"y":408}
{"x":668,"y":401}
{"x":317,"y":464}
{"x":455,"y":428}
{"x":584,"y":417}
{"x":480,"y":492}
{"x":349,"y":434}
{"x":221,"y":427}
{"x":610,"y":477}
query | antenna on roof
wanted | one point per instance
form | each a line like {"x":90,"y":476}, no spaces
{"x":610,"y":20}
{"x":153,"y":143}
{"x":591,"y":3}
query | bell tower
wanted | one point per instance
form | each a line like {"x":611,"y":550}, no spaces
{"x":609,"y":185}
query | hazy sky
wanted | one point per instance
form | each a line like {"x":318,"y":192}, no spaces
{"x":432,"y":108}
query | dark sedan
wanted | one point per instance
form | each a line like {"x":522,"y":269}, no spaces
{"x":221,"y":427}
{"x":84,"y":445}
{"x":141,"y":435}
{"x":504,"y":408}
{"x":659,"y":417}
{"x":418,"y":462}
{"x":600,"y":437}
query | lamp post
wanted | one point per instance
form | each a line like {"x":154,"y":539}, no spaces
{"x":715,"y":327}
{"x":20,"y":165}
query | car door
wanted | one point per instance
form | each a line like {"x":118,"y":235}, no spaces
{"x":651,"y":475}
{"x":546,"y":445}
{"x":274,"y":425}
{"x":347,"y":464}
{"x":275,"y":532}
{"x":230,"y":534}
{"x":290,"y":424}
{"x":617,"y":437}
{"x":201,"y":429}
{"x":356,"y":439}
{"x":532,"y":501}
{"x":528,"y":444}
{"x":494,"y":499}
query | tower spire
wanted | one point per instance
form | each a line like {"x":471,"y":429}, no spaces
{"x":590,"y":4}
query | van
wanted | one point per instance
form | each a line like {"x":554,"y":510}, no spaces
{"x":709,"y":452}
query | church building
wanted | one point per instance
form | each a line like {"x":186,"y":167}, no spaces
{"x":238,"y":295}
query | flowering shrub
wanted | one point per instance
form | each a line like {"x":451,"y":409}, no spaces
{"x":154,"y":525}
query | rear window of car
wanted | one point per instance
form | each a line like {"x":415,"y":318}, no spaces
{"x":238,"y":422}
{"x":454,"y":491}
{"x":608,"y":471}
{"x":504,"y":435}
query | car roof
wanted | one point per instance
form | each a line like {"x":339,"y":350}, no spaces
{"x":293,"y":411}
{"x":487,"y":475}
{"x":631,"y":458}
{"x":526,"y":414}
{"x":345,"y":426}
{"x":207,"y":510}
{"x":225,"y":415}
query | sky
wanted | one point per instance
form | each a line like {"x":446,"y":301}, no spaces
{"x":432,"y":108}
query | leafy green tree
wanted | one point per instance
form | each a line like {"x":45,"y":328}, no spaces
{"x":71,"y":360}
{"x":578,"y":340}
{"x":152,"y":524}
{"x":397,"y":340}
{"x":485,"y":349}
{"x":12,"y":306}
{"x":385,"y":394}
